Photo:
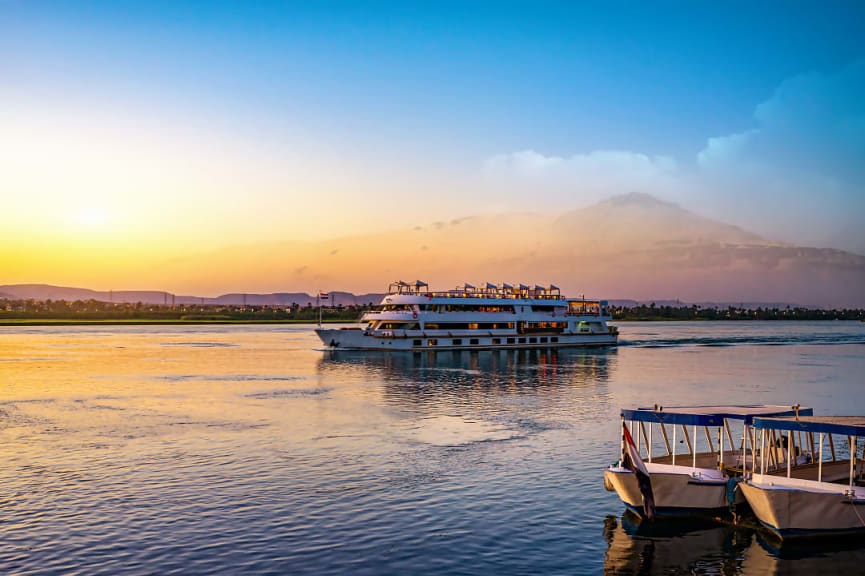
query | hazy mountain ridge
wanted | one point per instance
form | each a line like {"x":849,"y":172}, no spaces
{"x":632,"y":246}
{"x":68,"y":293}
{"x":49,"y":292}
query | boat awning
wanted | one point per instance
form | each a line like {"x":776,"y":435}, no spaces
{"x":846,"y":425}
{"x":710,"y":415}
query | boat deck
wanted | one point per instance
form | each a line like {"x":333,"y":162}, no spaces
{"x":838,"y":471}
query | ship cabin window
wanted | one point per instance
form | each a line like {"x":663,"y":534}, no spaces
{"x":473,"y":341}
{"x":469,"y":308}
{"x":497,"y":340}
{"x":468,"y":326}
{"x":522,"y":340}
{"x":458,"y":341}
{"x":417,"y":342}
{"x":543,"y":339}
{"x":432,"y":342}
{"x":396,"y":307}
{"x":533,"y":340}
{"x":398,"y":326}
{"x":537,"y":308}
{"x":511,"y":340}
{"x":544,"y":327}
{"x":554,"y":339}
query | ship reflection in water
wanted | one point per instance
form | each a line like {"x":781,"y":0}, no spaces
{"x":469,"y":377}
{"x":679,"y":546}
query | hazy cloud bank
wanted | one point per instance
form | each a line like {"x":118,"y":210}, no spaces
{"x":797,"y":175}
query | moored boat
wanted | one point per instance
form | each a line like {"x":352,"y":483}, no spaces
{"x":801,"y":487}
{"x":493,"y":316}
{"x":696,"y":481}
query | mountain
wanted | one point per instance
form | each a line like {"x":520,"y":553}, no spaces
{"x":627,"y":247}
{"x":633,"y":246}
{"x":48,"y":292}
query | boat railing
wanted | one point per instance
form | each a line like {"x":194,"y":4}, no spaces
{"x":594,"y":313}
{"x":489,"y":291}
{"x":500,"y":295}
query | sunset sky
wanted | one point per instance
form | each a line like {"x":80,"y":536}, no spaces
{"x":134,"y":133}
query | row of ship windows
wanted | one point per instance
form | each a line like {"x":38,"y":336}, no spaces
{"x":471,"y":325}
{"x":467,"y":308}
{"x":495,"y":341}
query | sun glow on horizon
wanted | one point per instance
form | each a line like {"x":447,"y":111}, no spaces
{"x":92,"y":217}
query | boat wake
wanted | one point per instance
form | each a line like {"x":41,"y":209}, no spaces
{"x":746,"y":340}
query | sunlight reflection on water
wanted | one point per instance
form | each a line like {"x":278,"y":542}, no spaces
{"x":241,"y":448}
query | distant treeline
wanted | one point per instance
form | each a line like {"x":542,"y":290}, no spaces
{"x":652,"y":312}
{"x":98,"y":310}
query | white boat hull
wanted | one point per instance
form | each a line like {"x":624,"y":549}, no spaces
{"x":357,"y":339}
{"x":793,"y":507}
{"x":678,"y":490}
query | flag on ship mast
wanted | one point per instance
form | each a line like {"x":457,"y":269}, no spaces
{"x":632,"y":461}
{"x":322,"y":296}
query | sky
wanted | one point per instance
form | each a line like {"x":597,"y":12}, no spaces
{"x":135,"y":132}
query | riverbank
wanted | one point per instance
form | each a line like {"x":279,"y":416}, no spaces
{"x":146,"y":322}
{"x":200,"y":321}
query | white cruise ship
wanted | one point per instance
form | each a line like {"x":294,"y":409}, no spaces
{"x":412,"y":317}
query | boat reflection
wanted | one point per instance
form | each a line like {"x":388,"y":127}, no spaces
{"x":493,"y":368}
{"x":672,"y":546}
{"x":635,"y":546}
{"x":836,"y":555}
{"x":474,"y":378}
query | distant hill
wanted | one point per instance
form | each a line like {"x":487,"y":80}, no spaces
{"x":628,"y":247}
{"x":632,"y":246}
{"x":48,"y":292}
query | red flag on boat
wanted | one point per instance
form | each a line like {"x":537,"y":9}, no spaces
{"x":323,"y":295}
{"x":635,"y":464}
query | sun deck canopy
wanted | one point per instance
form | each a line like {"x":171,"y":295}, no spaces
{"x":710,"y":415}
{"x":846,"y":425}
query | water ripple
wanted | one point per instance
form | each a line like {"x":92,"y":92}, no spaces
{"x":453,"y":463}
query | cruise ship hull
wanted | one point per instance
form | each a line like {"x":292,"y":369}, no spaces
{"x":357,"y":339}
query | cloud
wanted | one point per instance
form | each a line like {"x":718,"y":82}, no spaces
{"x":813,"y":122}
{"x":719,"y":151}
{"x":797,"y":175}
{"x":582,"y":177}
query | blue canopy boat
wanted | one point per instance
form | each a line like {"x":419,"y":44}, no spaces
{"x":811,"y":475}
{"x":653,"y":476}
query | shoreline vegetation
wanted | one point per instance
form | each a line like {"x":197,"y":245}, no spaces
{"x":85,"y":312}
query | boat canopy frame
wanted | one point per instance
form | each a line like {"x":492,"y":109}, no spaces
{"x":841,"y":425}
{"x":711,"y":415}
{"x":853,"y":427}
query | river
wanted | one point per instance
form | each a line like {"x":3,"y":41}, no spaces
{"x":227,"y":449}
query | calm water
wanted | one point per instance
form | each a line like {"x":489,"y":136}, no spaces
{"x":243,"y":448}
